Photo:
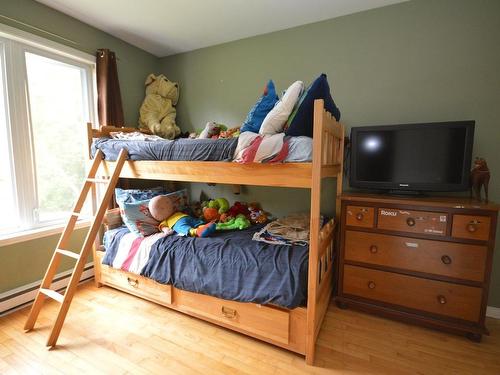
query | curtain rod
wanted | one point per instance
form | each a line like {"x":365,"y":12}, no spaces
{"x":47,"y":32}
{"x":39,"y":29}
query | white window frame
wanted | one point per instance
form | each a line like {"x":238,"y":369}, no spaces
{"x":16,"y":43}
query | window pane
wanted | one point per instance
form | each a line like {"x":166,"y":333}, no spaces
{"x":9,"y":219}
{"x":59,"y":111}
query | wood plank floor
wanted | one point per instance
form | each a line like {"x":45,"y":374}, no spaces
{"x":110,"y":332}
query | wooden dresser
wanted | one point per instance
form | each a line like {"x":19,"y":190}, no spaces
{"x":420,"y":260}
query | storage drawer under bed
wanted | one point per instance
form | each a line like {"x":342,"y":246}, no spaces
{"x":269,"y":322}
{"x":136,"y":284}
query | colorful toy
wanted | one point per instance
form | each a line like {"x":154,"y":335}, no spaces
{"x":239,"y":222}
{"x":238,"y":208}
{"x":162,"y":209}
{"x":220,"y":204}
{"x":210,"y":214}
{"x":257,"y":215}
{"x":212,"y":129}
{"x":230,"y":133}
{"x":157,"y":112}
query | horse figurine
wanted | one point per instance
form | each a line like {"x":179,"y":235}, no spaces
{"x":479,"y":177}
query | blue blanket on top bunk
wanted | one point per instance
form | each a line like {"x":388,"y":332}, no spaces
{"x":229,"y":265}
{"x":181,"y":149}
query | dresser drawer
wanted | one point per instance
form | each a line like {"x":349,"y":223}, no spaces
{"x":136,"y":284}
{"x":458,"y":301}
{"x":358,"y":216}
{"x":413,"y":221}
{"x":268,"y":322}
{"x":450,"y":259}
{"x":471,"y":226}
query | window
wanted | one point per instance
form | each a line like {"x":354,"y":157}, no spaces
{"x":46,"y":98}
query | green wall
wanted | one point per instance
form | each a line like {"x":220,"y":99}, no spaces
{"x":428,"y":60}
{"x":26,"y":262}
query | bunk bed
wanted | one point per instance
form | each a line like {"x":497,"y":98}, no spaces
{"x":293,"y":329}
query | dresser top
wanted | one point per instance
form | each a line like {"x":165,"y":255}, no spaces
{"x":437,"y":201}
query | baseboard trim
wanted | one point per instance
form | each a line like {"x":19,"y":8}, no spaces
{"x":18,"y":298}
{"x":493,"y":312}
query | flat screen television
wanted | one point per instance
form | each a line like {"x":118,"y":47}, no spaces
{"x":412,"y":157}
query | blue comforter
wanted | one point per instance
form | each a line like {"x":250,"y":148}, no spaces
{"x":229,"y":265}
{"x":177,"y":150}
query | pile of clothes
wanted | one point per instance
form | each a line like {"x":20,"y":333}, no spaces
{"x":290,"y":230}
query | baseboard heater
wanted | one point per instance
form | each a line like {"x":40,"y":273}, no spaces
{"x":18,"y":298}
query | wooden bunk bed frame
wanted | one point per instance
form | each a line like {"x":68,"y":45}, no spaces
{"x":293,"y":329}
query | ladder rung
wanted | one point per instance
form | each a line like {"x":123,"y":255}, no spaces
{"x":52,"y":294}
{"x":99,"y":180}
{"x":76,"y":214}
{"x":68,"y":253}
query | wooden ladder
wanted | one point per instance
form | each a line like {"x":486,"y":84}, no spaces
{"x":63,"y":244}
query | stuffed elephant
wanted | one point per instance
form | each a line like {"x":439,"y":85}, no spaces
{"x":157,"y":112}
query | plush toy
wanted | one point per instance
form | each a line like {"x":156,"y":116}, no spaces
{"x":210,"y":214}
{"x":220,"y":204}
{"x":239,"y":222}
{"x":212,"y":129}
{"x":230,"y":133}
{"x":157,"y":112}
{"x":257,"y":215}
{"x":238,"y":208}
{"x":162,"y":209}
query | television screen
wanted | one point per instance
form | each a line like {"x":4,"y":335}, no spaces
{"x":417,"y":157}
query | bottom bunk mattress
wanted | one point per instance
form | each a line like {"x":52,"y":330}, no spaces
{"x":228,"y":265}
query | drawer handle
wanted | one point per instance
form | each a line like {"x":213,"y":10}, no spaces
{"x":373,"y":249}
{"x":228,"y":312}
{"x":371,"y":285}
{"x":133,"y":282}
{"x":410,"y":221}
{"x":441,"y":299}
{"x":472,"y":226}
{"x":446,"y":259}
{"x":359,"y":216}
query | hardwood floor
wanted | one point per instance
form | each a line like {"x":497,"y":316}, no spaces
{"x":110,"y":332}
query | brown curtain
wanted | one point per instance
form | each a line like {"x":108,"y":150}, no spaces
{"x":109,"y":100}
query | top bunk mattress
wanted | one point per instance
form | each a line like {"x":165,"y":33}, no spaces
{"x":299,"y":149}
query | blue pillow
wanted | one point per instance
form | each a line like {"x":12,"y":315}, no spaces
{"x":135,"y":212}
{"x":300,"y":121}
{"x":260,"y":110}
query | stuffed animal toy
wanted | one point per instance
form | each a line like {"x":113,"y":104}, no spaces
{"x":257,"y":215}
{"x":238,"y":208}
{"x":162,"y":209}
{"x":220,"y":204}
{"x":210,"y":214}
{"x":212,"y":129}
{"x":239,"y":222}
{"x":479,"y":177}
{"x":157,"y":112}
{"x":230,"y":133}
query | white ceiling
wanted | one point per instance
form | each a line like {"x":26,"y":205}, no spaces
{"x":166,"y":27}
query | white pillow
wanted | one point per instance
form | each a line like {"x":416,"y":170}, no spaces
{"x":275,"y":120}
